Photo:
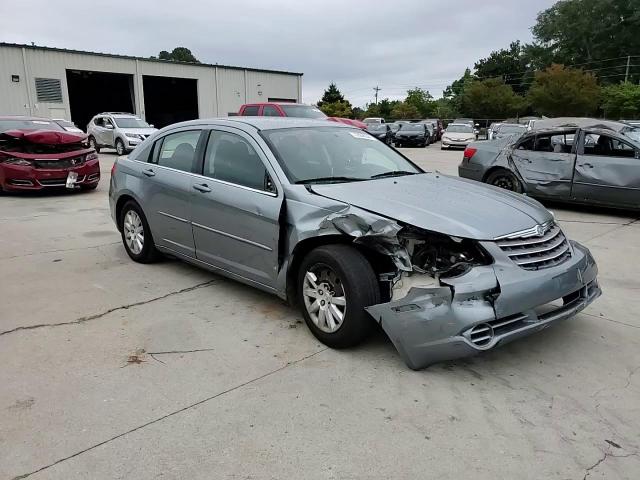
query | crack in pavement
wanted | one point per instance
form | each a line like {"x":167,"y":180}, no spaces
{"x":182,"y":351}
{"x":602,"y":317}
{"x":605,"y":455}
{"x":60,"y":250}
{"x":175,"y":412}
{"x":620,"y":225}
{"x":111,"y":310}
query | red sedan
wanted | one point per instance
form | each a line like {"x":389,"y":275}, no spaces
{"x":37,"y":153}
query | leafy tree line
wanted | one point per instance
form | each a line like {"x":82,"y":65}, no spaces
{"x":582,"y":53}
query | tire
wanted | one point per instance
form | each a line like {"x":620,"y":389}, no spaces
{"x":147,"y":253}
{"x":348,"y":275}
{"x":120,"y":150}
{"x":93,"y":144}
{"x":442,"y":147}
{"x":504,"y":178}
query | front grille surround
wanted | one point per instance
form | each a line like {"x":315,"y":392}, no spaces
{"x":59,"y":164}
{"x":540,"y":247}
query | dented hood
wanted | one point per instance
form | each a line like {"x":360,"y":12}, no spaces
{"x":46,"y":137}
{"x":439,"y":203}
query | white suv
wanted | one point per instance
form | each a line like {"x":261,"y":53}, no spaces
{"x":122,"y":131}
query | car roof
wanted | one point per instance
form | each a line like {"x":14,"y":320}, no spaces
{"x":579,"y":122}
{"x":262,"y":123}
{"x":458,"y":125}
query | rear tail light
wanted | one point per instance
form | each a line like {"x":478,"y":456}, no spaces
{"x":113,"y":167}
{"x":468,"y":153}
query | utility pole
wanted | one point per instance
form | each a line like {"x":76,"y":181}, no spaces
{"x":626,"y":75}
{"x":377,"y":89}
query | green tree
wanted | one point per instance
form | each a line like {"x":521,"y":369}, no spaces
{"x":590,"y":31}
{"x":331,"y":95}
{"x":491,"y":98}
{"x":178,"y":54}
{"x":457,"y":87}
{"x":444,"y":108}
{"x":621,"y":101}
{"x":405,"y":111}
{"x":422,"y":100}
{"x":511,"y":65}
{"x":559,"y":91}
{"x":337,"y":109}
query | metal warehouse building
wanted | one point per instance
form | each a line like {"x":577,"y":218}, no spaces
{"x":57,"y":83}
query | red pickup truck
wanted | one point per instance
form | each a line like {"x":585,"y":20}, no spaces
{"x":300,"y":110}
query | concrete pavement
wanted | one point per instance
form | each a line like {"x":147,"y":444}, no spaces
{"x":110,"y":369}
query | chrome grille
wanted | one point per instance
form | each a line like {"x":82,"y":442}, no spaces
{"x":533,"y":252}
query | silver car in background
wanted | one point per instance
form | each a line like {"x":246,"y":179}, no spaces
{"x":122,"y":131}
{"x":457,"y":135}
{"x":329,"y":218}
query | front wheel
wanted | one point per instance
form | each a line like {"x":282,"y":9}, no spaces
{"x":93,"y":144}
{"x":136,"y":235}
{"x":120,"y":147}
{"x":504,"y":179}
{"x":335,"y":284}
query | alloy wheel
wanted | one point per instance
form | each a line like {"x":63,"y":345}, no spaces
{"x":119,"y":148}
{"x":506,"y":182}
{"x":133,"y":232}
{"x":324,"y":298}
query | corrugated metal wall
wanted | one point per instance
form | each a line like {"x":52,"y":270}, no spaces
{"x":216,"y":96}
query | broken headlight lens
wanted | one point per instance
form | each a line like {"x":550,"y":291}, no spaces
{"x":17,"y":161}
{"x":441,"y":255}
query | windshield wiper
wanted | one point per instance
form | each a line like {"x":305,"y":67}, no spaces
{"x":395,"y":173}
{"x":330,"y":179}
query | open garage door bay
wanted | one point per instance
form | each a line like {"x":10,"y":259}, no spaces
{"x":95,"y":92}
{"x":169,"y":100}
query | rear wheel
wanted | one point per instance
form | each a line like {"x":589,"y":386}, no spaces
{"x":136,"y":235}
{"x":335,"y":284}
{"x":503,"y":178}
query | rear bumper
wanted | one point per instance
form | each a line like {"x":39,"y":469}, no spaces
{"x":470,"y":171}
{"x":458,"y":320}
{"x":19,"y":178}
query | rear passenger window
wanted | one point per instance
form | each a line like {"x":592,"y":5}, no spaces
{"x":230,"y":158}
{"x":250,"y":111}
{"x":270,"y":111}
{"x":178,"y":150}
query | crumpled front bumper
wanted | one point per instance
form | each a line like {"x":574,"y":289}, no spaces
{"x":485,"y":308}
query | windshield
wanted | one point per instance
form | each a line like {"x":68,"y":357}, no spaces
{"x":131,"y":122}
{"x":413,"y":127}
{"x":333,"y":154}
{"x":302,"y":111}
{"x":459,"y":129}
{"x":632,"y":133}
{"x":380,"y":127}
{"x":512,"y":128}
{"x":20,"y":124}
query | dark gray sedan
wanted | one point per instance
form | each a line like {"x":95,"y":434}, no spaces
{"x":329,"y":218}
{"x":589,"y":165}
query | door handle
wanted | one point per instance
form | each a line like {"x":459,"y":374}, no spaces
{"x":587,"y":165}
{"x":149,"y":172}
{"x":202,"y":187}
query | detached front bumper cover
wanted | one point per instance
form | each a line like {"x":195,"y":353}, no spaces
{"x":431,"y":325}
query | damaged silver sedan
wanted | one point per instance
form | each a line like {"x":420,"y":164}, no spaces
{"x":328,"y":218}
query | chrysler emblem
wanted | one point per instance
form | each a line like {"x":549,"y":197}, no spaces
{"x":540,"y":229}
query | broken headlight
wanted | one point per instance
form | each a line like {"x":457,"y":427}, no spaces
{"x":441,"y":255}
